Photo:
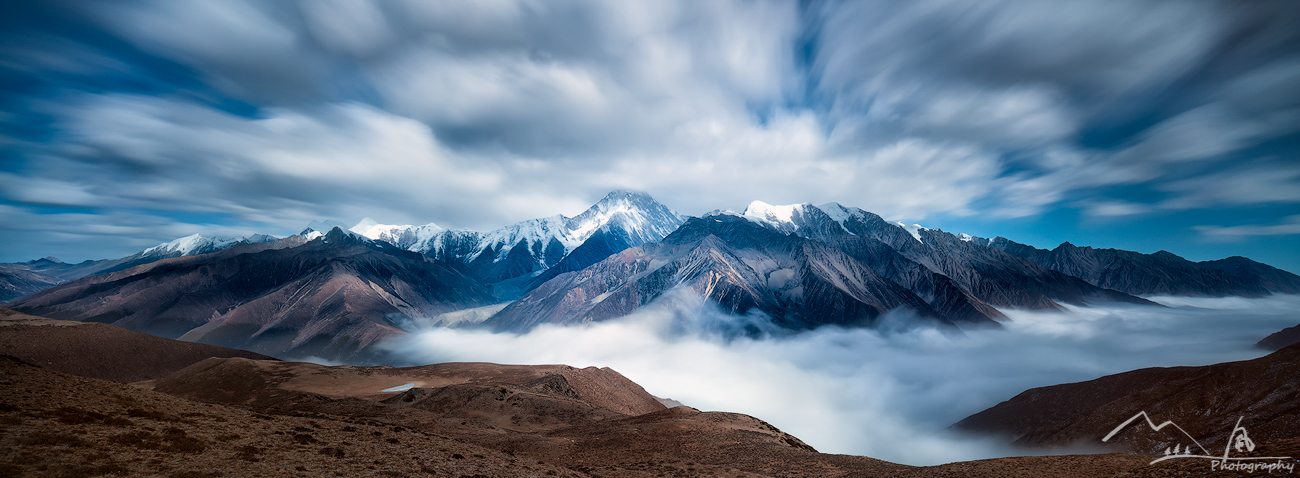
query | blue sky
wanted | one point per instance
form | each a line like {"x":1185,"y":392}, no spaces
{"x":1138,"y":125}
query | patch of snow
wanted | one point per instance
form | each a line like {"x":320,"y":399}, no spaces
{"x":914,"y":230}
{"x":780,"y":278}
{"x":637,"y":214}
{"x":532,"y":231}
{"x":601,"y":298}
{"x":198,"y":244}
{"x":474,"y":315}
{"x":762,"y":210}
{"x":836,"y":211}
{"x":400,"y":388}
{"x":365,"y":226}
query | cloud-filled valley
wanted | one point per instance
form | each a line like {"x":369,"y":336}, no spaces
{"x":888,"y":394}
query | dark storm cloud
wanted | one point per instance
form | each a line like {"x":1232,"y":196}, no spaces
{"x":476,"y":114}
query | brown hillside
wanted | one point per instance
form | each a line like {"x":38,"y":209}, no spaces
{"x":458,"y":420}
{"x":100,"y":350}
{"x":1206,"y":401}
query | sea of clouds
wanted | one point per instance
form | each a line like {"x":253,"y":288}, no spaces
{"x":887,"y":393}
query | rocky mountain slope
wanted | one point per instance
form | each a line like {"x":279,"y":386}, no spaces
{"x":743,"y":267}
{"x":17,"y":283}
{"x":988,"y":274}
{"x":528,"y":248}
{"x":803,"y":266}
{"x":22,"y":279}
{"x":334,"y":296}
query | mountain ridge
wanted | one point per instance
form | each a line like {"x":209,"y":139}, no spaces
{"x":1160,"y":273}
{"x":333,"y":295}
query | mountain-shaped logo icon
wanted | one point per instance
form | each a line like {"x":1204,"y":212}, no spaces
{"x":1238,"y":441}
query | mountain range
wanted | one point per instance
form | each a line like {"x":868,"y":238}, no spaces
{"x":1161,"y":273}
{"x":509,"y":257}
{"x":329,"y":295}
{"x":24,"y":278}
{"x":740,"y":265}
{"x":334,"y":291}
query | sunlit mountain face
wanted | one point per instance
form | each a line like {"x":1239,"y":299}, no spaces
{"x":861,"y":222}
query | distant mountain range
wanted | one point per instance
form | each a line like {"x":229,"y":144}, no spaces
{"x":335,"y":291}
{"x":511,"y":256}
{"x":24,"y":278}
{"x":1162,"y":273}
{"x":328,"y":295}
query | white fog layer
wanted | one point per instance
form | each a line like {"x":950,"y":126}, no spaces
{"x":887,"y":395}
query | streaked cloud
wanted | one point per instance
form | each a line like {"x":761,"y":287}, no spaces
{"x":1288,"y":226}
{"x":482,"y":113}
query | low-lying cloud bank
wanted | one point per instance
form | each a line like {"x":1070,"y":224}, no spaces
{"x":887,"y":395}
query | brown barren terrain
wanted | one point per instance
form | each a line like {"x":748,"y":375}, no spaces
{"x":100,"y":350}
{"x":1207,"y":402}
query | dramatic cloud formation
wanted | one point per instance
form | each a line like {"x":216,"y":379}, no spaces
{"x":888,"y":395}
{"x":1069,"y":119}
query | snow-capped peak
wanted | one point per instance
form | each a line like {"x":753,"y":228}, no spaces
{"x":768,"y":212}
{"x":721,"y":212}
{"x":323,"y":226}
{"x":195,"y":244}
{"x":403,"y":236}
{"x":914,"y":230}
{"x":635,"y":214}
{"x":183,"y":245}
{"x":364,"y":226}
